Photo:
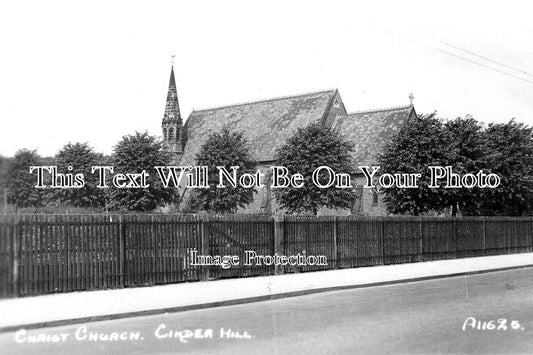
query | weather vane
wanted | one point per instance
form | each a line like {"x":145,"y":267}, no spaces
{"x":172,"y":59}
{"x":411,"y":98}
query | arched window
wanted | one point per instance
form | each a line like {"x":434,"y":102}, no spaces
{"x":165,"y":134}
{"x":375,"y":198}
{"x":171,"y":134}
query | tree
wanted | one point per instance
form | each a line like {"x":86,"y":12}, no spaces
{"x":133,"y":154}
{"x":4,"y":166}
{"x":421,"y":142}
{"x":21,"y":190}
{"x":80,"y":157}
{"x":467,"y":155}
{"x":225,"y":148}
{"x":463,"y":144}
{"x":309,"y":148}
{"x":510,"y":155}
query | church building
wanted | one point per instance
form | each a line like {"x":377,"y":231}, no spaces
{"x":267,"y":124}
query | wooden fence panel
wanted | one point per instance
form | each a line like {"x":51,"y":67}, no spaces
{"x":182,"y":236}
{"x":438,"y":241}
{"x":7,"y":255}
{"x":67,"y":253}
{"x":41,"y":260}
{"x":402,"y":242}
{"x":237,"y":235}
{"x":157,"y":249}
{"x":522,"y":235}
{"x":359,"y":241}
{"x":138,"y":251}
{"x":497,"y":236}
{"x":470,"y":237}
{"x":307,"y":235}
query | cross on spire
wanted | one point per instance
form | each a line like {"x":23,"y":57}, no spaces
{"x":172,"y":59}
{"x":411,"y":98}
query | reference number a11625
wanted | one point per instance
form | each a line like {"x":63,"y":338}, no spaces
{"x":501,"y":324}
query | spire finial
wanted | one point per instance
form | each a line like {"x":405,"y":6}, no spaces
{"x":172,"y":59}
{"x":411,"y":98}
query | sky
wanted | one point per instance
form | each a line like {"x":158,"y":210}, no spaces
{"x":94,"y":71}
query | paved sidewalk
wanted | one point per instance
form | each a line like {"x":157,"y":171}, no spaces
{"x":76,"y":307}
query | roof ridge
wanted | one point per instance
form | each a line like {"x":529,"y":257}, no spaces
{"x":392,"y":108}
{"x":265,"y":100}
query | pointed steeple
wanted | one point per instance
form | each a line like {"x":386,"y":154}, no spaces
{"x":172,"y":125}
{"x":172,"y":108}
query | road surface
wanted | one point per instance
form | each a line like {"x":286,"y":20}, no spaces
{"x":416,"y":317}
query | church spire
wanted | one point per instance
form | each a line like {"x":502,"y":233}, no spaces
{"x":172,"y":108}
{"x":172,"y":125}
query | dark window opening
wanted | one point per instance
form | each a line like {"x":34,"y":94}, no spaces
{"x":375,"y":198}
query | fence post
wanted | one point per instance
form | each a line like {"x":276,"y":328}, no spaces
{"x":16,"y":256}
{"x":421,"y":232}
{"x":153,"y":233}
{"x":204,"y":237}
{"x":121,"y":251}
{"x":67,"y":256}
{"x":382,"y":241}
{"x":509,"y":233}
{"x":335,"y":243}
{"x":455,"y":237}
{"x":530,"y":238}
{"x":279,"y":240}
{"x":484,"y":236}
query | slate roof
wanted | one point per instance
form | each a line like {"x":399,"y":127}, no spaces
{"x":266,"y":124}
{"x":369,"y":131}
